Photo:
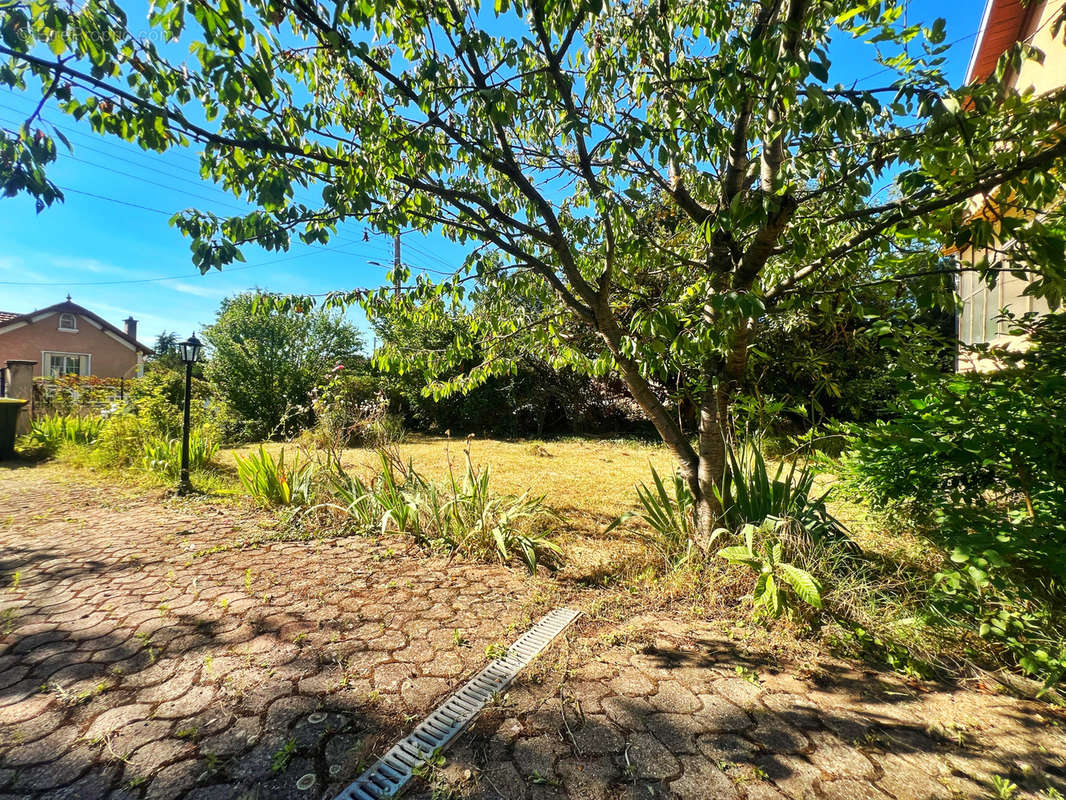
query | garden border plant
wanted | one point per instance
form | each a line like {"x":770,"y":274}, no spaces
{"x":464,"y":516}
{"x":977,"y":463}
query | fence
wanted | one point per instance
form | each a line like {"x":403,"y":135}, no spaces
{"x":74,"y":394}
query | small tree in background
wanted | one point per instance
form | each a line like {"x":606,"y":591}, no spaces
{"x":165,"y":353}
{"x":264,"y":366}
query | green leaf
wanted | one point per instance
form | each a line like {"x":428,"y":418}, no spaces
{"x":803,"y":583}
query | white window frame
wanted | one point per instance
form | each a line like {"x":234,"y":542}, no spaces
{"x":74,"y":319}
{"x":46,"y":362}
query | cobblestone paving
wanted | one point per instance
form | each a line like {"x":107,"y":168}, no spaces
{"x":143,"y":656}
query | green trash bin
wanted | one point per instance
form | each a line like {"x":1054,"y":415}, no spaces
{"x":9,"y":414}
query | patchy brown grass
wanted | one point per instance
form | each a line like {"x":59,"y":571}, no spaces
{"x":589,"y":480}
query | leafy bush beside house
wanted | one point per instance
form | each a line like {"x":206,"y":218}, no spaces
{"x":978,"y":461}
{"x":145,"y":432}
{"x":992,"y":440}
{"x":847,"y":357}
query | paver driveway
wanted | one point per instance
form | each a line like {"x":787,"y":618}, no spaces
{"x":146,"y":656}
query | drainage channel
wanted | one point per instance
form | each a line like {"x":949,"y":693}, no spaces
{"x":391,"y":772}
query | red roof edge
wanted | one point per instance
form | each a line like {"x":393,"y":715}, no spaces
{"x":1002,"y":24}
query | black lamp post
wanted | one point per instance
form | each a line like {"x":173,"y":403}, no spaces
{"x":190,"y":354}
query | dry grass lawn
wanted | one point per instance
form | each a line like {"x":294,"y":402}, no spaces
{"x":589,"y":482}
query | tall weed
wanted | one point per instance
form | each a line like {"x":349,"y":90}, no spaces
{"x":778,"y":583}
{"x":271,"y":482}
{"x":462,"y":516}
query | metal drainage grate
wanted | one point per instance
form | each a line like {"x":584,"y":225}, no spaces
{"x":392,"y":771}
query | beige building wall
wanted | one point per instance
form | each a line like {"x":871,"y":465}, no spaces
{"x":981,"y":305}
{"x":1036,"y":77}
{"x":110,"y":357}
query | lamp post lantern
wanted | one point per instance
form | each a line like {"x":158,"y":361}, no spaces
{"x":190,"y":354}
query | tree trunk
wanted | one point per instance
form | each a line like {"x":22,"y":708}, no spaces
{"x":704,"y":468}
{"x":710,"y":489}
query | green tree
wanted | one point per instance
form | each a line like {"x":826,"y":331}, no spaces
{"x":542,"y":132}
{"x":265,"y":365}
{"x":532,"y":399}
{"x":165,"y":353}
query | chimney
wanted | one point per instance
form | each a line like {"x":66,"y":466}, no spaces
{"x":131,"y":327}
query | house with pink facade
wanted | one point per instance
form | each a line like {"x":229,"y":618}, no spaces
{"x":68,"y":339}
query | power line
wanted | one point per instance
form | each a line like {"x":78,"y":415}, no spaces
{"x":183,"y":276}
{"x":154,"y":168}
{"x":169,"y":187}
{"x":435,"y":258}
{"x":114,"y":200}
{"x":125,"y":153}
{"x":187,"y":275}
{"x":178,"y":151}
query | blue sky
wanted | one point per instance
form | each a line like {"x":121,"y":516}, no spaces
{"x":110,"y":255}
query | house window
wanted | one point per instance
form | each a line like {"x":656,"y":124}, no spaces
{"x":58,"y":364}
{"x":68,"y":322}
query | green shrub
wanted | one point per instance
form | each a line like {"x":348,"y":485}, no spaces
{"x":351,"y":411}
{"x":271,"y":482}
{"x":754,"y":494}
{"x":264,"y":365}
{"x":978,"y":439}
{"x":123,"y":438}
{"x":153,"y":416}
{"x":51,"y":431}
{"x":978,"y":462}
{"x":163,"y":456}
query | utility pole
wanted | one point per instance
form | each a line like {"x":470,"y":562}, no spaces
{"x":396,"y":266}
